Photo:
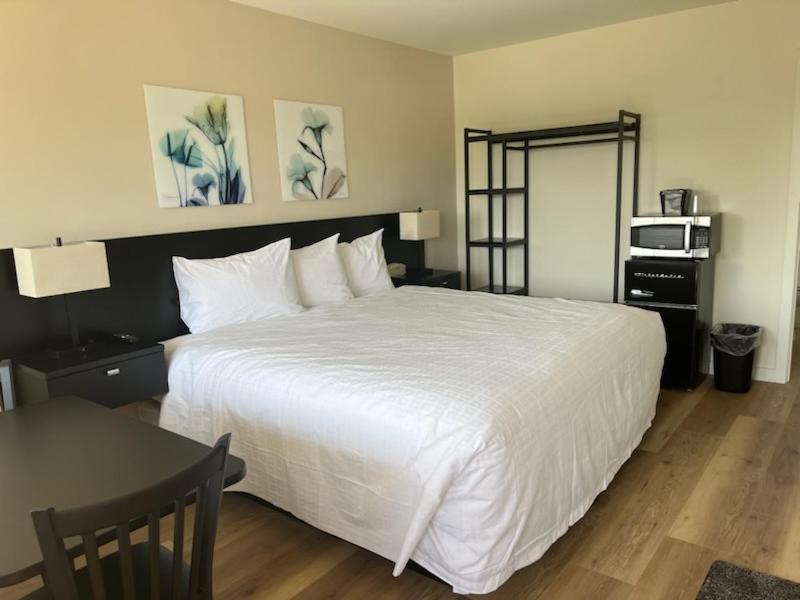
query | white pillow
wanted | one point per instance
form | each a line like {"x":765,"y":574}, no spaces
{"x":320,"y":275}
{"x":244,"y":287}
{"x":365,"y":265}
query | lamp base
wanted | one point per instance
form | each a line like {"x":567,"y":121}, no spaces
{"x":69,"y":350}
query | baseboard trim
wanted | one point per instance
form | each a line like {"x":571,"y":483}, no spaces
{"x":768,"y":374}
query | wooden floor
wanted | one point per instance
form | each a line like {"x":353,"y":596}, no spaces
{"x":716,"y":477}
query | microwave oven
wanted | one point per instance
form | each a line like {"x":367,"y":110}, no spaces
{"x":691,"y":237}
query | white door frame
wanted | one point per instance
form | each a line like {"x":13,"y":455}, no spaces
{"x":792,"y":252}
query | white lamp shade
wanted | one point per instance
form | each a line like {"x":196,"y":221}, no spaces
{"x":53,"y":270}
{"x":419,"y":225}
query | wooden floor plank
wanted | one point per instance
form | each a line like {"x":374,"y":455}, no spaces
{"x":785,"y":561}
{"x":676,"y":571}
{"x":720,"y":514}
{"x":624,"y":544}
{"x":365,"y":575}
{"x":318,"y":562}
{"x":779,"y":493}
{"x":716,"y":412}
{"x":254,"y":561}
{"x":673,"y":408}
{"x":577,"y":583}
{"x":769,"y":401}
{"x":530,"y":583}
{"x":778,"y":500}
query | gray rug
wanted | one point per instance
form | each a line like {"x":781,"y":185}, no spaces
{"x":726,"y":581}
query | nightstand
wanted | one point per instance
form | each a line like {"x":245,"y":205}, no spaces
{"x":114,"y":374}
{"x":445,"y":279}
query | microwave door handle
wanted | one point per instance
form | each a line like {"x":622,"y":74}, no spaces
{"x":687,"y":238}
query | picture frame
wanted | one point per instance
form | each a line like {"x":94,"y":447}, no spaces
{"x":311,"y":151}
{"x":198,"y":141}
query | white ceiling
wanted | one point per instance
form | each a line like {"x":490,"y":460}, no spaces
{"x":461,"y":26}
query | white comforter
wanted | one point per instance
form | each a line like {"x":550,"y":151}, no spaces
{"x":464,"y":431}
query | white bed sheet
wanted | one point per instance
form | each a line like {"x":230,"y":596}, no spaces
{"x":465,"y":431}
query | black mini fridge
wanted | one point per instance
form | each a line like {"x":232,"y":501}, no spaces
{"x":682,"y":292}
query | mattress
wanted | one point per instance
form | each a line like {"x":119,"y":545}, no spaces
{"x":463,"y":431}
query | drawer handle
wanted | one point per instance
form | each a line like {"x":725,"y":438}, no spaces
{"x":112,"y":372}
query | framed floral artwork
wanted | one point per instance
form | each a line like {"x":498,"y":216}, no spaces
{"x":311,"y":150}
{"x":199,"y":147}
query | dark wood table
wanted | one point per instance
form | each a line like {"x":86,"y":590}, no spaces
{"x":70,"y":452}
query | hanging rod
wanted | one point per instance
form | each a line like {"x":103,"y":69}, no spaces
{"x":612,"y":127}
{"x":626,"y":138}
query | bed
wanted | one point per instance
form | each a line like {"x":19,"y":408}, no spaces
{"x":463,"y":431}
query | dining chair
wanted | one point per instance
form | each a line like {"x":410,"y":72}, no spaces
{"x":145,"y":570}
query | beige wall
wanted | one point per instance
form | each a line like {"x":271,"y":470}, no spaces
{"x":75,"y":154}
{"x":716,"y":87}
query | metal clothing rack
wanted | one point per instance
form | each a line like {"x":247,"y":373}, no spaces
{"x":627,"y":128}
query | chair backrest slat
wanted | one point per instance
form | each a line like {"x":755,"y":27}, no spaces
{"x":197,"y":538}
{"x":205,"y":478}
{"x":58,"y":564}
{"x":154,"y":536}
{"x":177,"y":548}
{"x":93,"y":565}
{"x":126,"y":561}
{"x":206,"y":546}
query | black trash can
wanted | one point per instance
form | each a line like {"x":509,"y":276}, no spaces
{"x":734,"y":350}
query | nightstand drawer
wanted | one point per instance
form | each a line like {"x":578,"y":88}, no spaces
{"x":452,"y":281}
{"x":117,"y":383}
{"x":435,"y":278}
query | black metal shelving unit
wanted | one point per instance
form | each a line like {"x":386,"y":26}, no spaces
{"x":627,"y":128}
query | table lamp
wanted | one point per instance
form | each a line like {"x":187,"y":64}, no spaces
{"x":61,"y":270}
{"x":420,"y":225}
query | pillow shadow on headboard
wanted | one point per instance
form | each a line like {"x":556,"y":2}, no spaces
{"x":143,"y":298}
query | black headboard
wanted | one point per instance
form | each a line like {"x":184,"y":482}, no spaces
{"x":143,"y":299}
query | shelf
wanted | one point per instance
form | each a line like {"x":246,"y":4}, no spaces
{"x":497,"y":242}
{"x":555,"y":132}
{"x":619,"y":132}
{"x":615,"y":139}
{"x":513,"y":290}
{"x":497,"y":191}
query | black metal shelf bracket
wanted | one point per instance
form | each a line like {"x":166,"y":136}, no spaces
{"x":509,"y":242}
{"x":496,"y":191}
{"x":626,"y":129}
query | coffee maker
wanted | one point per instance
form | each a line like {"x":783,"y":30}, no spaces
{"x":676,"y":202}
